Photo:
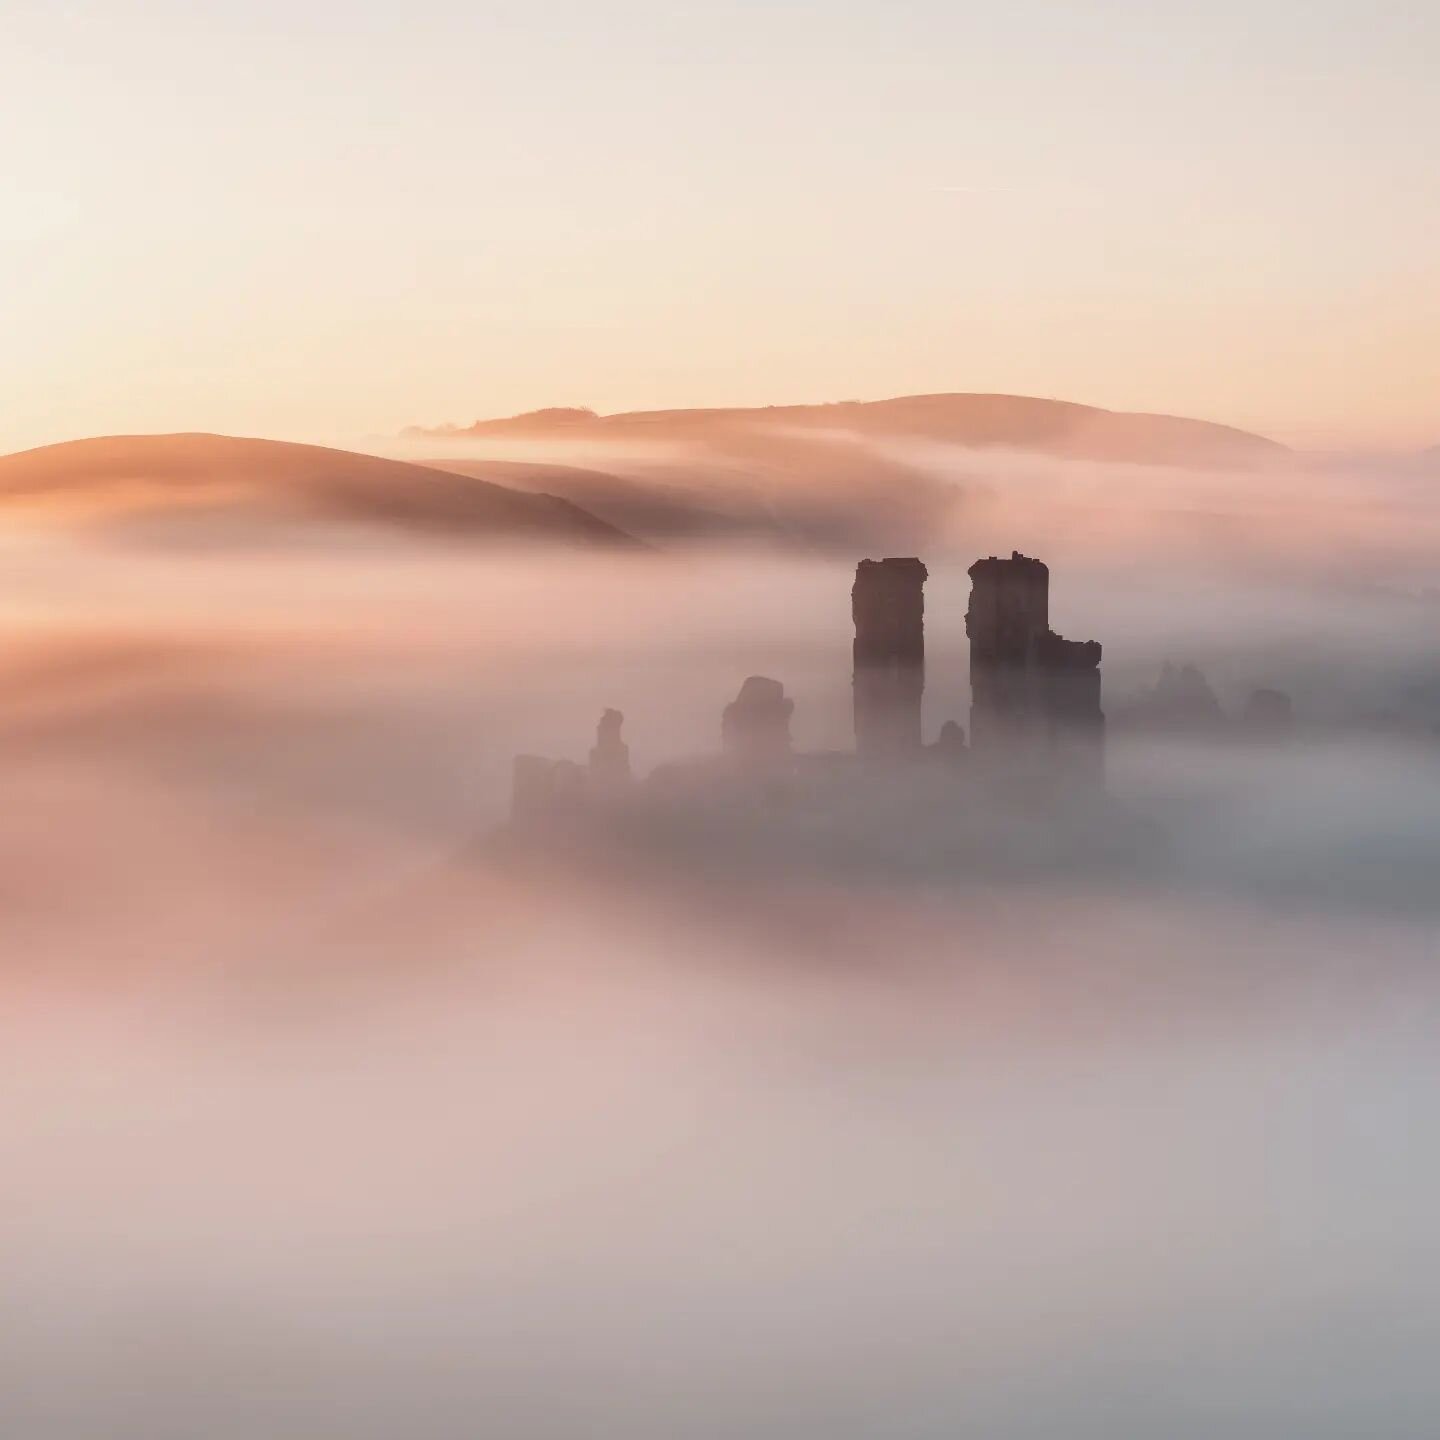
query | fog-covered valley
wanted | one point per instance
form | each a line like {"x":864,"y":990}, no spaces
{"x":329,"y":1118}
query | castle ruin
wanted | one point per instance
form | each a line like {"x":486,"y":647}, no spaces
{"x":887,"y":604}
{"x":1034,"y":696}
{"x":1035,"y":706}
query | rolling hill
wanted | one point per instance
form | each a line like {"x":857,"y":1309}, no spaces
{"x":892,"y":473}
{"x":1052,"y":427}
{"x":222,"y":484}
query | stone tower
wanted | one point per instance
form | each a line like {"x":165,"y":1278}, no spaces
{"x":610,"y":755}
{"x":888,"y":605}
{"x":1009,"y":612}
{"x":1033,"y":694}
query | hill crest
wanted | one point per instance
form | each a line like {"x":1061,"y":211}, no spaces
{"x":975,"y":420}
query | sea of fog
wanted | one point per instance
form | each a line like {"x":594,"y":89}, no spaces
{"x":322,"y":1120}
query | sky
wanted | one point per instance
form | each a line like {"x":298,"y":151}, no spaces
{"x":311,"y":219}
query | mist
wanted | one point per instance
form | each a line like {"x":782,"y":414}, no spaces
{"x":334,"y":1118}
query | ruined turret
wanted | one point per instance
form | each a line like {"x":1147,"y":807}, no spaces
{"x":1034,"y":696}
{"x":888,"y":605}
{"x":755,"y":726}
{"x":610,"y":755}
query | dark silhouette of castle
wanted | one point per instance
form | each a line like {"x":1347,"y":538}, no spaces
{"x":888,"y":606}
{"x":1032,"y":693}
{"x":1035,"y":711}
{"x":755,"y":726}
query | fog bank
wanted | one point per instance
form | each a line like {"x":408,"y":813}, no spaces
{"x":327,"y":1121}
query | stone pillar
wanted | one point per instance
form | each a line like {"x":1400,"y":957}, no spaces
{"x":1009,"y":612}
{"x":888,"y":605}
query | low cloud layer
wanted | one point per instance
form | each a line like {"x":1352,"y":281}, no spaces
{"x":330,"y":1122}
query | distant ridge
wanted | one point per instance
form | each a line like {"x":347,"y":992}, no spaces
{"x":1057,"y":427}
{"x":223,"y":480}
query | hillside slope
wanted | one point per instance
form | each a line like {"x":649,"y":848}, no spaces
{"x":221,"y":479}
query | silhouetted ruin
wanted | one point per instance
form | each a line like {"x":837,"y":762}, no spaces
{"x":888,"y":606}
{"x":1183,"y":704}
{"x":1034,"y":696}
{"x":951,"y":744}
{"x":546,"y":790}
{"x":1035,"y":717}
{"x":1268,"y":715}
{"x":755,"y":726}
{"x":610,"y":756}
{"x":1181,"y":701}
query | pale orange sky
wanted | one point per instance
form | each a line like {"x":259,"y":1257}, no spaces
{"x":315,"y":220}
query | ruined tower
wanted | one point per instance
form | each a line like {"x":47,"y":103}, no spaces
{"x":755,"y":726}
{"x":888,"y":603}
{"x":1009,"y":612}
{"x":1034,"y":696}
{"x":610,"y":755}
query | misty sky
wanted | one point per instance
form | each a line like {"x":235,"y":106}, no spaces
{"x":319,"y":220}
